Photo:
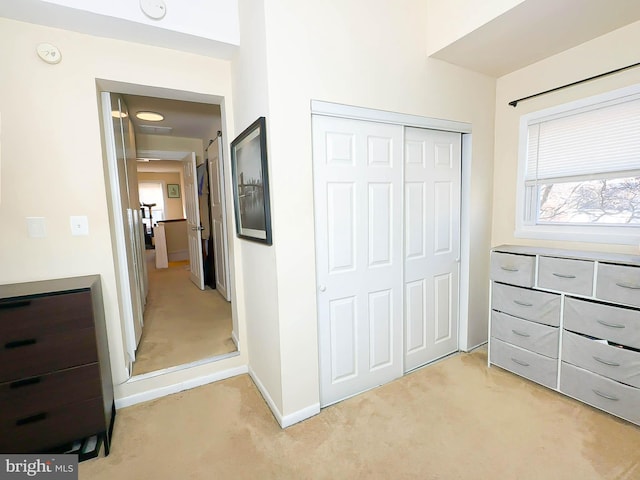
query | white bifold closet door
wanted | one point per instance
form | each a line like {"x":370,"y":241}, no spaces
{"x":432,"y":244}
{"x":387,"y":275}
{"x":358,"y":213}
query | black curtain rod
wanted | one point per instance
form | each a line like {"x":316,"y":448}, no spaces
{"x":514,"y":103}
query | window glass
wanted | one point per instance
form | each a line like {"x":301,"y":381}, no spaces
{"x":580,"y":168}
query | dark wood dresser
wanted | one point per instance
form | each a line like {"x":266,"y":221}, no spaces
{"x":55,"y":375}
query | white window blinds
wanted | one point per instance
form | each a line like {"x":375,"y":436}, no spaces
{"x":593,"y":142}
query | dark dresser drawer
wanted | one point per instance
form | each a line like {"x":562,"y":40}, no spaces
{"x":52,"y":427}
{"x":33,"y":395}
{"x":55,"y":375}
{"x":27,"y":316}
{"x":40,"y":354}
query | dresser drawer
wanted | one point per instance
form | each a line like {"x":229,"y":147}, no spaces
{"x":52,"y":427}
{"x":513,"y":269}
{"x":566,"y":275}
{"x":600,"y":392}
{"x":30,"y":396}
{"x":613,"y":362}
{"x":618,"y":283}
{"x":533,"y":336}
{"x":41,"y":354}
{"x":540,"y":369}
{"x":541,"y":307}
{"x":29,"y":316}
{"x":617,"y":324}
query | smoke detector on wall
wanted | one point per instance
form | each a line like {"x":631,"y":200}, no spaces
{"x":154,"y":9}
{"x":49,"y":53}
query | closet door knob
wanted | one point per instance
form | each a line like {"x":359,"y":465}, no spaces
{"x":322,"y":288}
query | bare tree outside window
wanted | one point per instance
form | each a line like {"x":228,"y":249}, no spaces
{"x":602,"y":201}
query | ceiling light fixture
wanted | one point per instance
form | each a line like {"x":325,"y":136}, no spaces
{"x":118,"y":114}
{"x":150,"y":116}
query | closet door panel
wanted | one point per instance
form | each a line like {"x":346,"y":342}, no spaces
{"x":432,"y":243}
{"x":358,"y":213}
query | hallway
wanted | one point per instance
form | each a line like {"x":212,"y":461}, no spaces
{"x":182,"y":324}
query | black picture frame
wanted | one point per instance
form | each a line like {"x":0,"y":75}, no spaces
{"x":251,"y":183}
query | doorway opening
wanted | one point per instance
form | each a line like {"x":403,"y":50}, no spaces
{"x":180,"y":310}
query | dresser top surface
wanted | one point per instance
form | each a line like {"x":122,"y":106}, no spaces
{"x":43,"y":287}
{"x":618,"y":258}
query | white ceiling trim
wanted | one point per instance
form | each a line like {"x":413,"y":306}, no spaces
{"x":319,"y":107}
{"x":161,"y":154}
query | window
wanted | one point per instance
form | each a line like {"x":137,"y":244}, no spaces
{"x":580,"y":170}
{"x":152,"y":193}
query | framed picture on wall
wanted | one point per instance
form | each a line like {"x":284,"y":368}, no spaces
{"x":251,"y":183}
{"x":173,"y":190}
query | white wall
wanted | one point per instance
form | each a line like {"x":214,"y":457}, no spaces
{"x":212,"y":19}
{"x":52,"y":155}
{"x":258,"y":272}
{"x":450,"y":20}
{"x":370,"y":54}
{"x":362,"y":52}
{"x":172,"y":206}
{"x":205,"y":27}
{"x":603,"y":54}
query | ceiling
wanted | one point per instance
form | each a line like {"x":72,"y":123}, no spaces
{"x":185,"y":119}
{"x":536,"y":29}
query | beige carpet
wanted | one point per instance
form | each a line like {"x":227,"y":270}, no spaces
{"x":456,"y":419}
{"x":182,"y":323}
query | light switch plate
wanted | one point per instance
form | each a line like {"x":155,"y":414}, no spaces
{"x":79,"y":225}
{"x":36,"y":227}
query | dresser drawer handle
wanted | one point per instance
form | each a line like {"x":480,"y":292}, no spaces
{"x":628,"y":285}
{"x":612,"y":325}
{"x":523,"y":304}
{"x":604,"y":395}
{"x":510,"y":269}
{"x":520,"y":362}
{"x":606,"y":362}
{"x":17,"y":304}
{"x":520,"y":334}
{"x":20,"y":343}
{"x":563,"y":275}
{"x":32,"y":419}
{"x":25,"y":383}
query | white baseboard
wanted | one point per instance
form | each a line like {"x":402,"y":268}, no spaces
{"x":179,"y":255}
{"x":284,"y":420}
{"x":234,"y":337}
{"x":300,"y":415}
{"x":178,"y":387}
{"x":481,"y":344}
{"x":266,"y":396}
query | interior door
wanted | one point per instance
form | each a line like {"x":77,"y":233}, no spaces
{"x":358,"y":215}
{"x":218,"y":219}
{"x":192,"y":209}
{"x":432,"y":244}
{"x":120,"y":163}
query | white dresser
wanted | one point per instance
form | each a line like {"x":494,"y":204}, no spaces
{"x":569,"y":320}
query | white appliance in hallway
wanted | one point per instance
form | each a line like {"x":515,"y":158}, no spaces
{"x":383,"y":270}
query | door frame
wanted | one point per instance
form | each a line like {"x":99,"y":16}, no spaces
{"x":330,"y":109}
{"x":117,"y":236}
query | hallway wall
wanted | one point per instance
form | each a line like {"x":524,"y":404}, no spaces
{"x":62,"y":173}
